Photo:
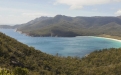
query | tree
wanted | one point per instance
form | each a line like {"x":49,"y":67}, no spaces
{"x":20,"y":71}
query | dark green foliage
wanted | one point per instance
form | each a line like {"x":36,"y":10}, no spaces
{"x":25,"y":60}
{"x":20,"y":71}
{"x":16,"y":71}
{"x":5,"y":72}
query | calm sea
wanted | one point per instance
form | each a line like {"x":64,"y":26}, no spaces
{"x":64,"y":46}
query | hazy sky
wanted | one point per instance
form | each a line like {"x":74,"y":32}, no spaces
{"x":22,"y":11}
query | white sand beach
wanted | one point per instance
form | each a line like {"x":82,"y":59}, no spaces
{"x":110,"y":39}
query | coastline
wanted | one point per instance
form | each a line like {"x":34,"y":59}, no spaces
{"x":115,"y":38}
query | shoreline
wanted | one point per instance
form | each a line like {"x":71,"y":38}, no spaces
{"x":115,"y":38}
{"x":110,"y":39}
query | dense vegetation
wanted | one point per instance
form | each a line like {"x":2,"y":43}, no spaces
{"x":15,"y":71}
{"x":18,"y":57}
{"x":65,"y":26}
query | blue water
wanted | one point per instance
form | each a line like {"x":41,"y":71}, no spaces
{"x":64,"y":46}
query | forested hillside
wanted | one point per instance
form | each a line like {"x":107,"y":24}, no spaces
{"x":65,"y":26}
{"x":16,"y":57}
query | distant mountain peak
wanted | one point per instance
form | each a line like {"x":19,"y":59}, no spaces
{"x":62,"y":17}
{"x":66,"y":25}
{"x":119,"y":17}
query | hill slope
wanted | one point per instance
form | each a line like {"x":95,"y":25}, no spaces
{"x":9,"y":26}
{"x":13,"y":54}
{"x":65,"y":26}
{"x":5,"y":26}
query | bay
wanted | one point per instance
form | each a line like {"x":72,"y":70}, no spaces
{"x":64,"y":46}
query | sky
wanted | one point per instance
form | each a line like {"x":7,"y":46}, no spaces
{"x":14,"y":12}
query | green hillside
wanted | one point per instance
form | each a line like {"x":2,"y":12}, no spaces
{"x":65,"y":26}
{"x":15,"y":55}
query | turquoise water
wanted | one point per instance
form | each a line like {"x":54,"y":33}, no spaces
{"x":64,"y":46}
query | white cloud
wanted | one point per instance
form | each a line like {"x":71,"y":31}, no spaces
{"x":78,"y":4}
{"x":18,"y":16}
{"x":118,"y":12}
{"x":12,"y":19}
{"x":35,"y":14}
{"x":11,"y":10}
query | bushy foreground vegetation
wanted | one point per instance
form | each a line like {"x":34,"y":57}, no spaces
{"x":16,"y":71}
{"x":19,"y":59}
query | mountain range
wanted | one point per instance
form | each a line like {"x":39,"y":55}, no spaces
{"x":66,"y":26}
